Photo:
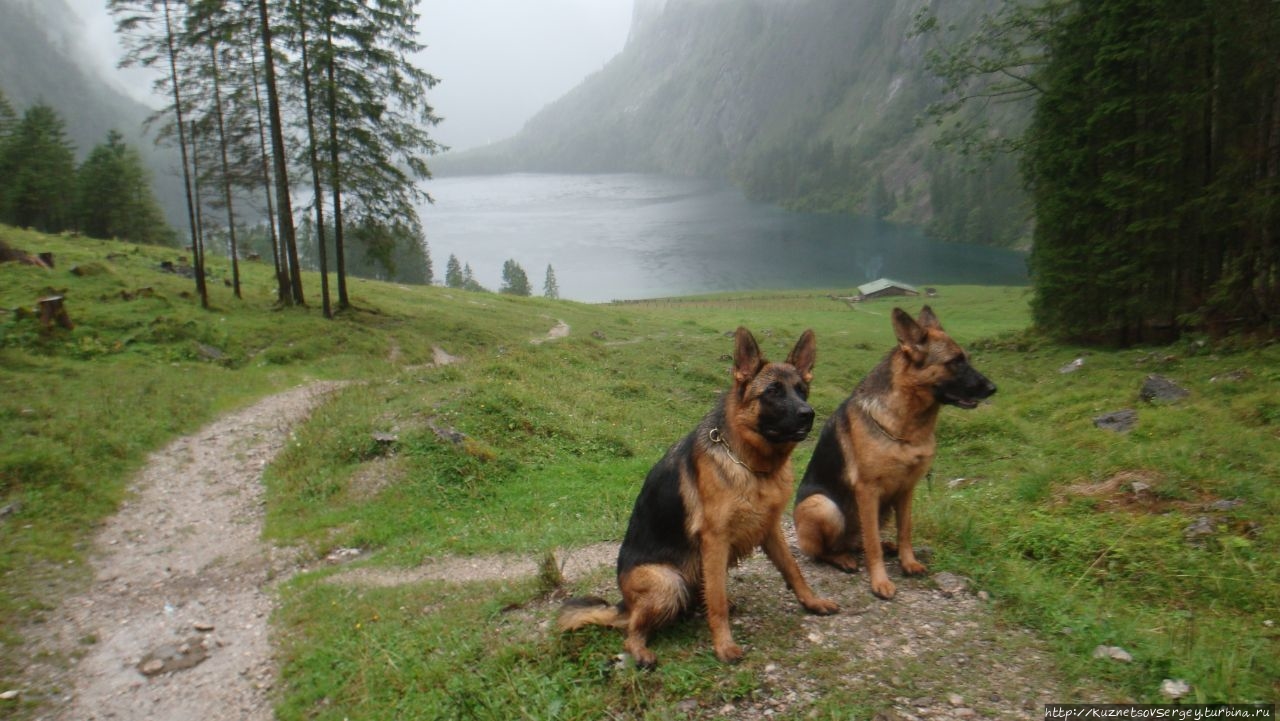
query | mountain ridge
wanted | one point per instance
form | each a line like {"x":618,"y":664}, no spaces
{"x":811,"y":104}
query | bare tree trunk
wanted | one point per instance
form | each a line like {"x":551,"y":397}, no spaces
{"x":315,"y":161}
{"x":195,"y":196}
{"x":277,"y":252}
{"x":196,"y":260}
{"x":226,"y":170}
{"x":287,"y":234}
{"x":336,"y":180}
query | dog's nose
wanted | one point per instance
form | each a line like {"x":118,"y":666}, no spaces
{"x":990,"y":390}
{"x":805,"y":414}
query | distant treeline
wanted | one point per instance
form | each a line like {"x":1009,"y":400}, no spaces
{"x":108,"y":196}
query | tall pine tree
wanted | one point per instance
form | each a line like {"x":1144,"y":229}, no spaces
{"x":38,"y":164}
{"x":114,"y":199}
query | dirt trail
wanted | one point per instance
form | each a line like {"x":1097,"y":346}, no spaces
{"x":181,"y":573}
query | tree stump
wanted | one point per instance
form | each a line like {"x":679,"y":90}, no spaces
{"x":53,"y":311}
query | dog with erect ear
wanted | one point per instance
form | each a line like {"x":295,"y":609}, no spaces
{"x":878,"y":444}
{"x":715,"y":497}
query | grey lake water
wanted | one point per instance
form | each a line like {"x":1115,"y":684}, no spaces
{"x":631,"y":236}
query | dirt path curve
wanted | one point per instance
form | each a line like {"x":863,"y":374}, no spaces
{"x":180,"y":579}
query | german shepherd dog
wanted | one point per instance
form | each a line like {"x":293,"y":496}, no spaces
{"x":878,"y":444}
{"x":716,"y":496}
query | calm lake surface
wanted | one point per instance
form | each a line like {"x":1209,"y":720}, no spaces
{"x":629,"y":236}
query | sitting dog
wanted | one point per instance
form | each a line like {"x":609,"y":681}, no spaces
{"x":715,"y":497}
{"x":875,"y":448}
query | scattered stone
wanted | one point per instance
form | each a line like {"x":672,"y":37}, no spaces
{"x":446,"y":433}
{"x":202,"y":626}
{"x":984,"y":596}
{"x":955,"y":699}
{"x":1227,"y":504}
{"x":815,"y":637}
{"x":1121,"y":421}
{"x":598,"y":334}
{"x":1158,"y":388}
{"x":1174,"y":688}
{"x":1268,"y":623}
{"x":950,"y":584}
{"x":1112,"y":652}
{"x":1139,"y":487}
{"x":209,"y":352}
{"x":342,"y":555}
{"x":174,"y":657}
{"x":1201,"y":528}
{"x":9,"y":695}
{"x":384,"y":437}
{"x":1233,"y":376}
{"x":1073,"y":366}
{"x":964,"y":713}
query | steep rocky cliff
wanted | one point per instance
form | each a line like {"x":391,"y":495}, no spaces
{"x":809,"y":103}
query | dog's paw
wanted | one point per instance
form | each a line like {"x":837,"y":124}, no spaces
{"x":822,"y":606}
{"x":729,"y":652}
{"x":883,"y":588}
{"x":643,"y":657}
{"x":914,"y":568}
{"x":845,"y":562}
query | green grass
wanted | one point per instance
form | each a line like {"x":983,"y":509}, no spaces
{"x":558,"y":437}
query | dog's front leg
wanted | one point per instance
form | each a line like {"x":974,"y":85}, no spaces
{"x":775,"y":547}
{"x":906,"y":554}
{"x":715,"y":594}
{"x":867,"y":496}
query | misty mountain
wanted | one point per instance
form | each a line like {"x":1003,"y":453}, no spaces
{"x":39,"y":62}
{"x":812,"y":104}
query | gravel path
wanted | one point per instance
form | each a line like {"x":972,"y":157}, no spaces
{"x":174,"y":626}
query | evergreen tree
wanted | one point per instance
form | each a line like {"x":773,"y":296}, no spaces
{"x":453,"y":273}
{"x":469,"y":281}
{"x":8,"y":118}
{"x":113,"y":196}
{"x":514,"y":279}
{"x":38,"y":164}
{"x":1147,"y":156}
{"x":550,"y":288}
{"x":151,"y":33}
{"x":378,"y":115}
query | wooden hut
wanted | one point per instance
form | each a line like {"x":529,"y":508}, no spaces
{"x":884,"y":288}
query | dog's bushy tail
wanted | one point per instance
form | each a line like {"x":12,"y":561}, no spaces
{"x":591,"y":611}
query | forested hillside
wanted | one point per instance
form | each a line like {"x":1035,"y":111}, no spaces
{"x":814,"y":104}
{"x":38,"y":64}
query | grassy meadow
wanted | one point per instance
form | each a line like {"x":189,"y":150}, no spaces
{"x":1027,"y":497}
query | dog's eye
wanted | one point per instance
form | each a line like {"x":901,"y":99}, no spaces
{"x":803,"y":392}
{"x":956,"y":362}
{"x":773,"y":389}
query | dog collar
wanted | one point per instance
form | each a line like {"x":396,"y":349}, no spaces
{"x":715,"y":436}
{"x":879,"y":426}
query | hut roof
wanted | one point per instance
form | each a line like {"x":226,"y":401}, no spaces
{"x":883,"y":284}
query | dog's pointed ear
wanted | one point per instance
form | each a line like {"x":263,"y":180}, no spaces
{"x":911,"y":336}
{"x":747,"y":359}
{"x":928,"y":320}
{"x":804,"y":355}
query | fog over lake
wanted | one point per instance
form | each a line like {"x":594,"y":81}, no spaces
{"x":630,"y":236}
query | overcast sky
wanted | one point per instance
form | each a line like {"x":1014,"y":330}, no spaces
{"x":499,"y":61}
